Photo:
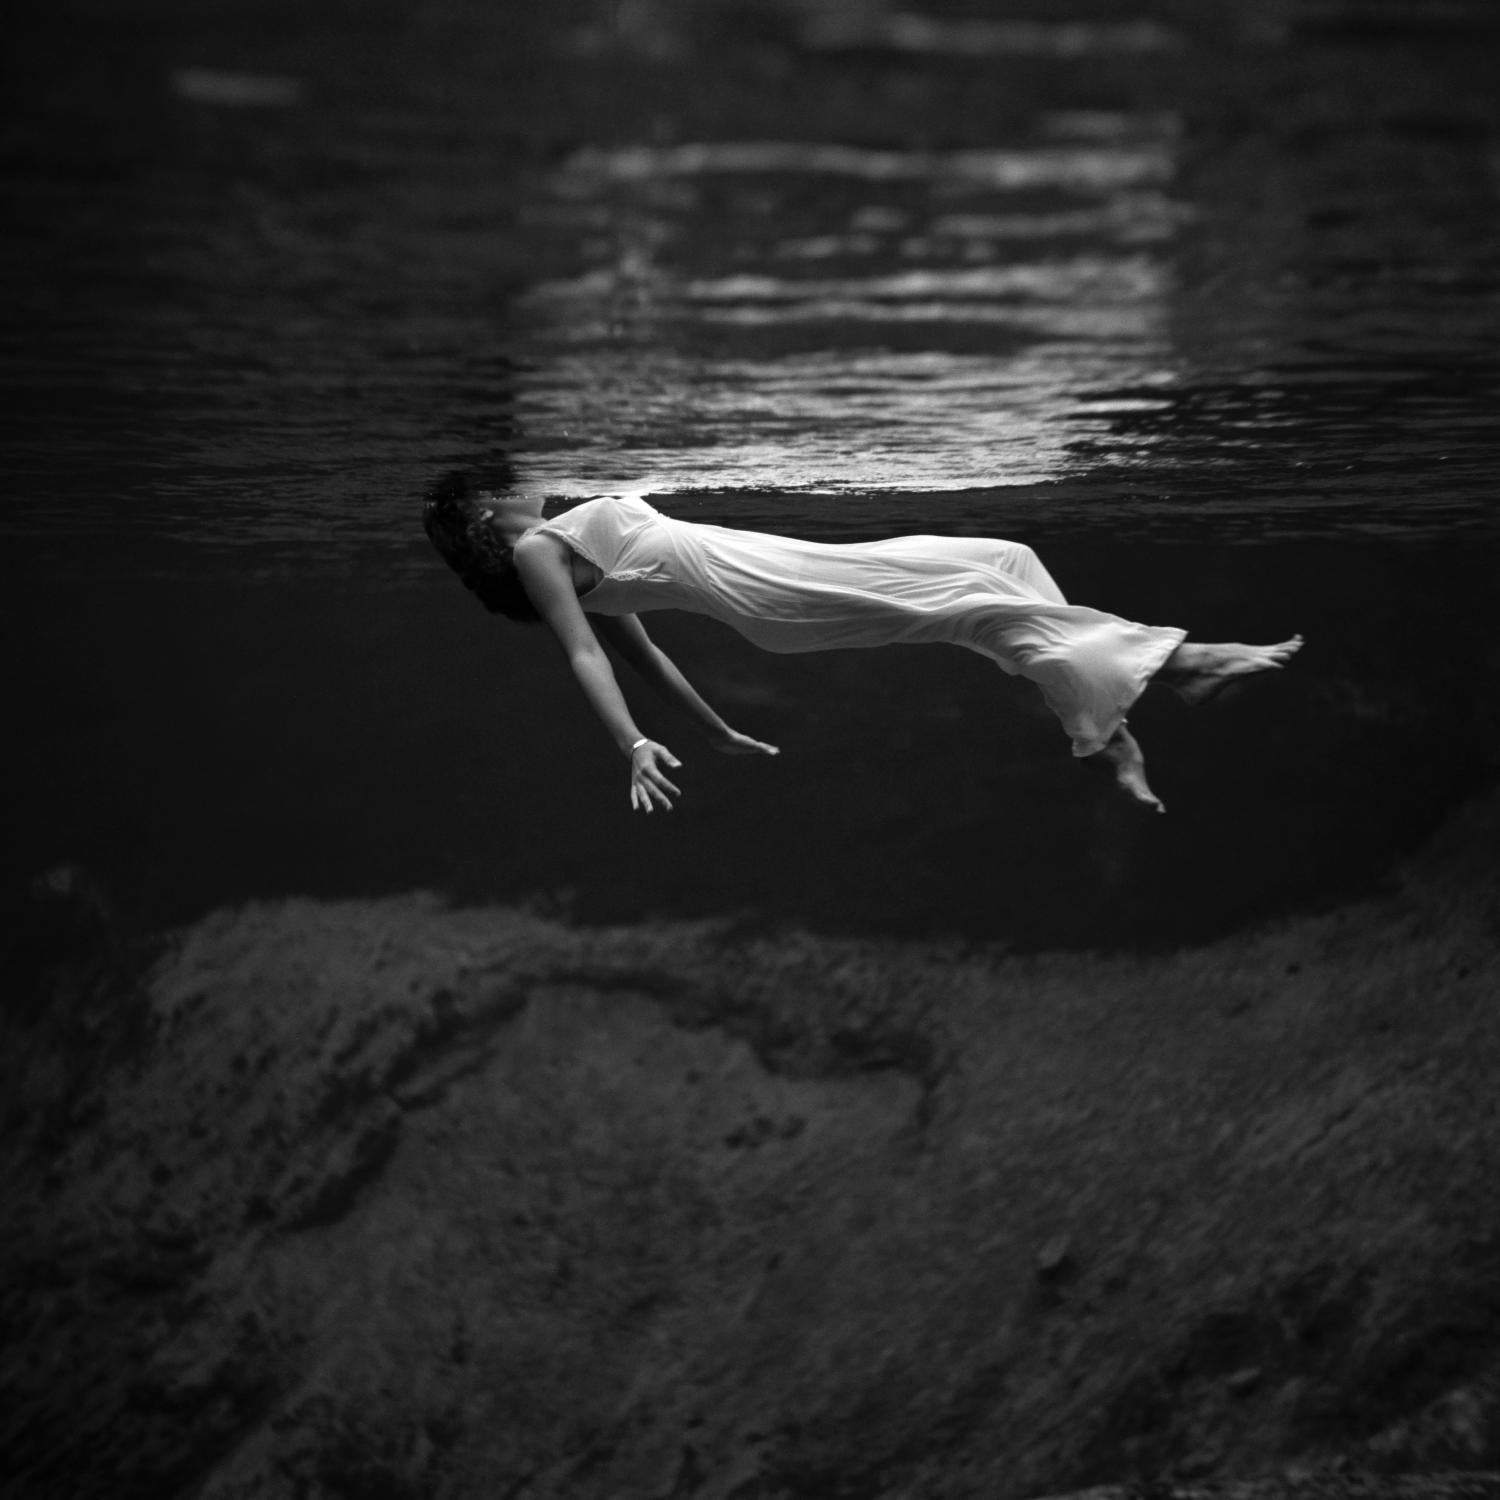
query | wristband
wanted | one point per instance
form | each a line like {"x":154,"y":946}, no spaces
{"x":642,"y":741}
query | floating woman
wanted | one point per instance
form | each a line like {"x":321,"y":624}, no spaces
{"x":616,"y":558}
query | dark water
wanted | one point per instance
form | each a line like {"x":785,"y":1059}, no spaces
{"x":1201,"y":300}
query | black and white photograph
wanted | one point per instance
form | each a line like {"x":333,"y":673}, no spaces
{"x":755,"y":750}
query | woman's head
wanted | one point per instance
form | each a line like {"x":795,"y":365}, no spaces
{"x":458,"y":522}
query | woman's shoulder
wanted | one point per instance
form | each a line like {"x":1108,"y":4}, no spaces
{"x":600,"y":528}
{"x":603,"y":510}
{"x":632,"y":502}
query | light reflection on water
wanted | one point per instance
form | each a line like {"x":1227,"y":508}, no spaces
{"x":838,"y":26}
{"x":816,"y":317}
{"x":1037,"y":166}
{"x":820,"y":423}
{"x":1097,"y":276}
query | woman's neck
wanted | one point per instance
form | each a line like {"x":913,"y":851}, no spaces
{"x":513,"y":515}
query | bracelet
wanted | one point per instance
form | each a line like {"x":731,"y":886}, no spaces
{"x":642,"y":741}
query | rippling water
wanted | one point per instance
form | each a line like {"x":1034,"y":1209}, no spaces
{"x":1163,"y":271}
{"x":1108,"y":277}
{"x":816,"y":317}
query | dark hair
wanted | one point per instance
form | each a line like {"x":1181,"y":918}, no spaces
{"x":458,"y":523}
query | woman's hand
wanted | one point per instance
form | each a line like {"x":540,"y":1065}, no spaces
{"x":732,"y":742}
{"x":648,"y":780}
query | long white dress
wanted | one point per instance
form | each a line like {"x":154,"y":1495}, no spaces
{"x":993,"y":597}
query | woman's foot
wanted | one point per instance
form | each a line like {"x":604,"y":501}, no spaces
{"x":1196,"y":672}
{"x":1124,"y":754}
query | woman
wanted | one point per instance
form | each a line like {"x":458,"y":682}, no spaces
{"x":615,"y":558}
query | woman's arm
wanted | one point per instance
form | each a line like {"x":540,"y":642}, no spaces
{"x":549,"y":585}
{"x":628,"y":636}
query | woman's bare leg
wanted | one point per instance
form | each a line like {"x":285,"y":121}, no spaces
{"x":1124,"y":755}
{"x":1196,"y":672}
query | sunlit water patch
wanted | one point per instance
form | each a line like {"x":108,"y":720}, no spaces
{"x":834,"y":27}
{"x":815,"y":316}
{"x":1057,"y":274}
{"x":1085,"y":168}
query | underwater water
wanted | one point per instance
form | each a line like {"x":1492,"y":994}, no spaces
{"x":1201,"y":301}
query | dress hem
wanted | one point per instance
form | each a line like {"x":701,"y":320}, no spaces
{"x":1149,"y":666}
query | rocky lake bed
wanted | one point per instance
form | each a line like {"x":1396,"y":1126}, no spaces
{"x":388,"y":1197}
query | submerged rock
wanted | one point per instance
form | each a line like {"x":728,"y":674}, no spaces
{"x":384,"y":1198}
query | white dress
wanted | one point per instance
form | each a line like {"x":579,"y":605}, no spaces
{"x":786,"y":595}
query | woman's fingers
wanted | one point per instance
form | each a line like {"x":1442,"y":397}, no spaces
{"x":641,"y":797}
{"x":649,"y":785}
{"x":652,"y":787}
{"x":654,"y":772}
{"x":741,"y":744}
